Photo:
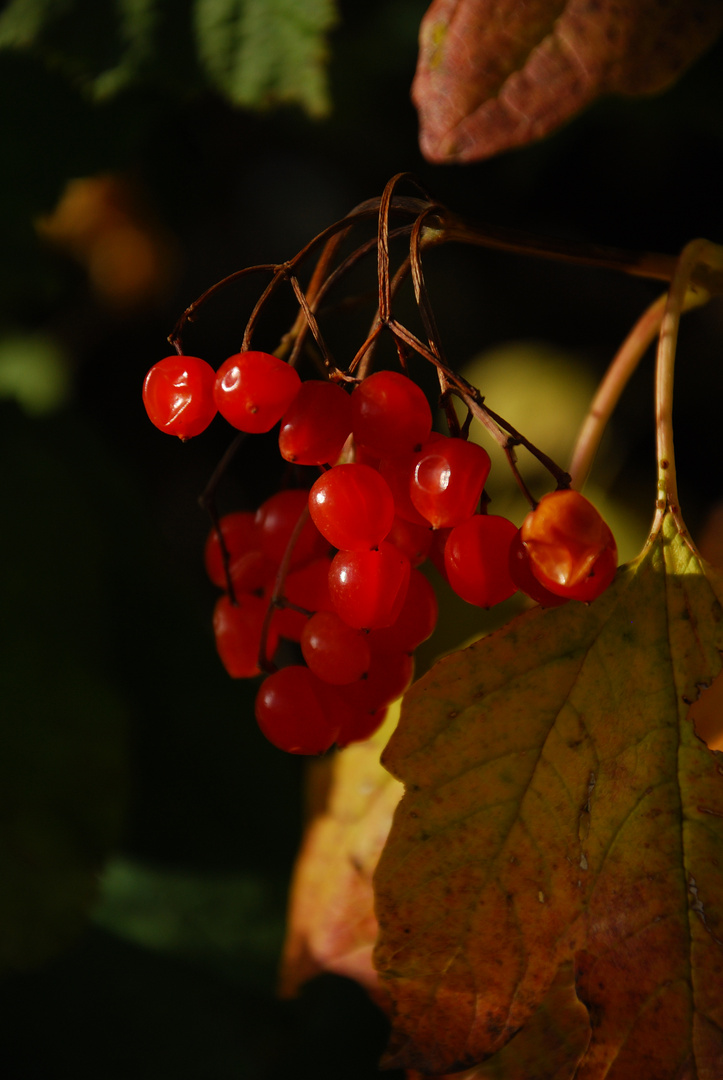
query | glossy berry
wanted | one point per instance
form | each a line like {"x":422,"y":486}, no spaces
{"x":571,"y":550}
{"x":390,"y":414}
{"x":525,"y":580}
{"x":368,"y":587}
{"x":399,"y":474}
{"x":253,"y":390}
{"x":316,"y":425}
{"x":306,"y":587}
{"x":414,"y":623}
{"x":178,"y":395}
{"x":277,"y":518}
{"x":352,"y":506}
{"x":477,"y":555}
{"x":334,"y":651}
{"x":448,"y":479}
{"x":296,"y":712}
{"x":237,"y":629}
{"x":414,"y":540}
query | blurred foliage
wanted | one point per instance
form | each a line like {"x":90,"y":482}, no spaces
{"x":121,"y":734}
{"x":34,"y":371}
{"x":233,"y":923}
{"x":257,"y":52}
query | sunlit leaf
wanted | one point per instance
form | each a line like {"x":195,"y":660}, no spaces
{"x":495,"y":74}
{"x":560,"y":810}
{"x":331,"y":925}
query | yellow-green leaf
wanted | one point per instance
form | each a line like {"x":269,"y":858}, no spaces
{"x":331,"y":925}
{"x":494,"y":74}
{"x":560,"y":813}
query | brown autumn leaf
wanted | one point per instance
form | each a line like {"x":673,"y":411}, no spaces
{"x":495,"y":74}
{"x":562,"y":818}
{"x":331,"y":924}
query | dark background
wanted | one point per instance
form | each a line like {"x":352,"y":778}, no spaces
{"x":123,"y":725}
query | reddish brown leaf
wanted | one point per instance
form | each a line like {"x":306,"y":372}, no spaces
{"x":495,"y":74}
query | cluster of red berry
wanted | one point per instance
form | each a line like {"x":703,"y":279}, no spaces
{"x":336,"y":568}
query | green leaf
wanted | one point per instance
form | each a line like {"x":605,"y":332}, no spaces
{"x":267,"y":52}
{"x":230,"y":922}
{"x":256,"y":52}
{"x":560,"y":812}
{"x":34,"y":371}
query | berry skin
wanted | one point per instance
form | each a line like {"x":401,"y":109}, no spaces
{"x":276,"y":520}
{"x":448,"y":479}
{"x":240,"y":537}
{"x":237,"y":629}
{"x":571,"y":550}
{"x":416,"y":620}
{"x":399,"y":474}
{"x":414,"y":540}
{"x":525,"y":580}
{"x":368,"y":587}
{"x":476,"y":558}
{"x":359,"y":724}
{"x":334,"y":651}
{"x":253,"y":390}
{"x":178,"y":395}
{"x":352,"y":506}
{"x":389,"y":675}
{"x":316,"y":425}
{"x":390,"y":414}
{"x":296,"y":711}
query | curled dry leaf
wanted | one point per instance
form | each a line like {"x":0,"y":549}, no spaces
{"x":331,"y":924}
{"x":562,"y":820}
{"x":495,"y":74}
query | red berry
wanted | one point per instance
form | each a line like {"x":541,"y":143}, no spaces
{"x":571,"y":549}
{"x":368,"y":587}
{"x":390,"y":414}
{"x":359,"y":724}
{"x":389,"y":675}
{"x":333,"y":650}
{"x":399,"y":474}
{"x":477,"y":556}
{"x":295,"y":711}
{"x":316,"y":425}
{"x":414,"y":623}
{"x":448,"y":479}
{"x":352,"y":506}
{"x":414,"y":540}
{"x":240,"y":536}
{"x":237,"y":629}
{"x":525,"y":580}
{"x":308,"y":588}
{"x":276,"y":520}
{"x":178,"y":395}
{"x":253,"y":390}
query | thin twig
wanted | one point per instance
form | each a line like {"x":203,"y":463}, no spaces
{"x":696,"y":253}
